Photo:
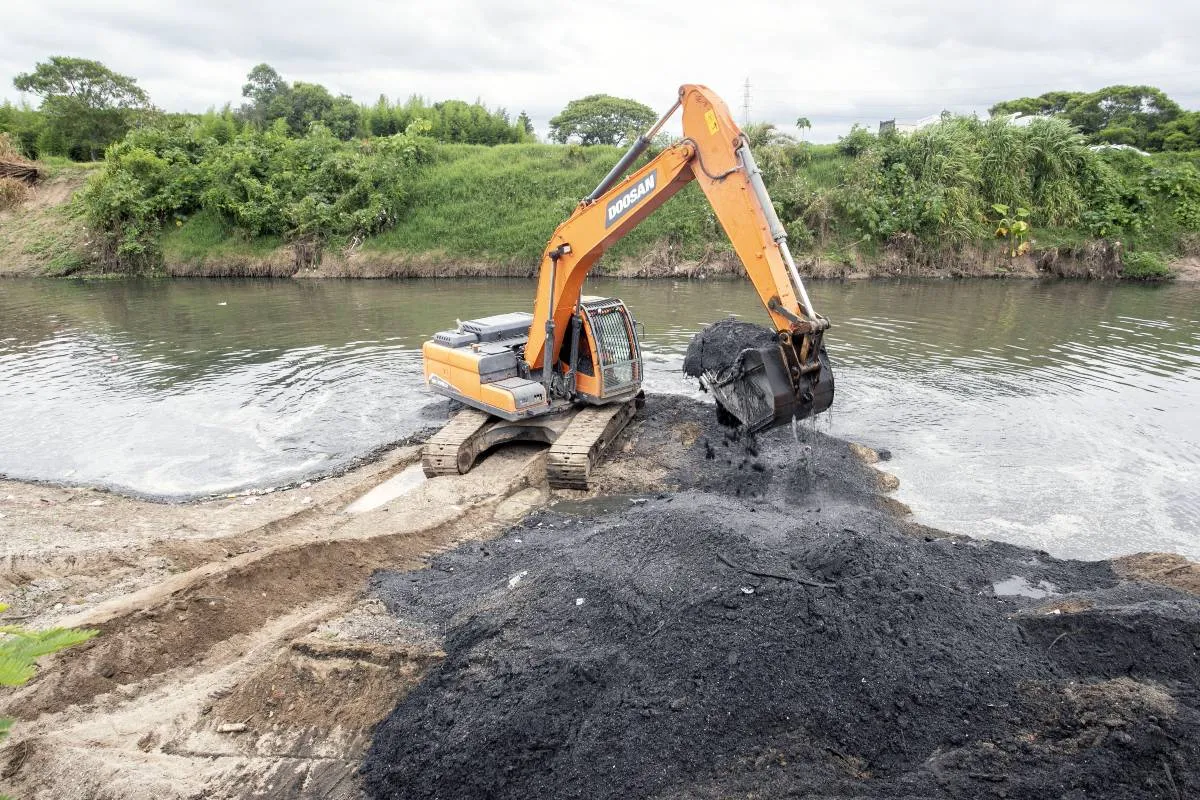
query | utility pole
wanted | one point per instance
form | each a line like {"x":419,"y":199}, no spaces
{"x":746,"y":103}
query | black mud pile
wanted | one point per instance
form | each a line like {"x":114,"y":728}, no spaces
{"x":717,"y":346}
{"x":771,"y":630}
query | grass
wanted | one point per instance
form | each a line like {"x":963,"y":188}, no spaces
{"x":1064,"y":238}
{"x":502,"y":204}
{"x":52,"y":239}
{"x":206,"y":236}
{"x":825,"y":166}
{"x":12,"y":193}
{"x":1146,"y":266}
{"x":46,"y":238}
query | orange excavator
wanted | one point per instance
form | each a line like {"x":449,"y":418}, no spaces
{"x":570,"y":373}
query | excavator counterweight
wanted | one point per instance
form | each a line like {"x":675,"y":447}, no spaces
{"x":570,"y":373}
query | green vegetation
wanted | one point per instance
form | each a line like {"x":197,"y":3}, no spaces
{"x":256,"y":184}
{"x":955,"y":184}
{"x":85,"y":106}
{"x":300,"y":168}
{"x":601,"y":119}
{"x":1013,"y":227}
{"x":301,"y":105}
{"x":20,"y":648}
{"x":207,"y":235}
{"x":1139,"y":116}
{"x":502,"y":204}
{"x":1146,"y":266}
{"x":962,"y":180}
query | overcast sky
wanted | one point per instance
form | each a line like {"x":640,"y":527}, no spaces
{"x":835,"y":62}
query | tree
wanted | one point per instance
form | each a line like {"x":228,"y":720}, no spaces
{"x":1134,"y":115}
{"x":1048,"y":104}
{"x":601,"y":119}
{"x":87,"y":105}
{"x":804,"y":125}
{"x":525,"y":123}
{"x":344,"y":118}
{"x":24,"y":124}
{"x":1181,"y":133}
{"x":263,"y":88}
{"x":765,"y":134}
{"x":1142,"y":108}
{"x":302,"y":105}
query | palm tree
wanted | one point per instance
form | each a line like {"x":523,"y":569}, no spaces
{"x":804,"y":125}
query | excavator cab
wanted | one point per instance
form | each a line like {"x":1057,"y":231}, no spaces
{"x":602,"y":354}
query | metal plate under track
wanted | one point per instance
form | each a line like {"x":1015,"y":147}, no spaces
{"x":448,"y":448}
{"x":577,"y":439}
{"x":582,"y":444}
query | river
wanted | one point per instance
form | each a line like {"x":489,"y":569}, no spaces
{"x":1064,"y":416}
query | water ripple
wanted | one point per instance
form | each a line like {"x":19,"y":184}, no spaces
{"x":1064,"y":416}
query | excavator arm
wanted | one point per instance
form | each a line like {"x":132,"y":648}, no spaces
{"x":767,"y":386}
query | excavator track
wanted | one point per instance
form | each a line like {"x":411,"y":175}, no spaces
{"x":452,"y":450}
{"x":581,"y":446}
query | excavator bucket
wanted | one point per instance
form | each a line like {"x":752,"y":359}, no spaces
{"x":758,"y":390}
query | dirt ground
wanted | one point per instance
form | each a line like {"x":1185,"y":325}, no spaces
{"x":45,"y":235}
{"x":237,"y":656}
{"x":242,"y":653}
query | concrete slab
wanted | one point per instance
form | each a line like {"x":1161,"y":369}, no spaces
{"x":403,"y":483}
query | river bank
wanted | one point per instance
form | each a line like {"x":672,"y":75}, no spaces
{"x":239,"y":651}
{"x":46,"y":236}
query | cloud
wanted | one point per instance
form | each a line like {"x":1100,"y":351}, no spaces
{"x":851,"y":61}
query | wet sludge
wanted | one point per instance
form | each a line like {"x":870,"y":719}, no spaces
{"x":766,"y":627}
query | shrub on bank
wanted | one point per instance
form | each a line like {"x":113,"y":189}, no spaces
{"x":933,"y":191}
{"x":1145,"y":266}
{"x":264,"y":183}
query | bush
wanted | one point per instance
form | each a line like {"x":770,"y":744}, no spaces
{"x":935,"y":189}
{"x":1145,"y":266}
{"x":264,"y":183}
{"x":856,"y":142}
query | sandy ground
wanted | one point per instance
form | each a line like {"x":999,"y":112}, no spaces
{"x":237,"y":655}
{"x":240,"y":652}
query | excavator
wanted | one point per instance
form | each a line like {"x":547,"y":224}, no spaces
{"x":569,"y":374}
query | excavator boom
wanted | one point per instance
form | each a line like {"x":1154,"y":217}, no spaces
{"x":525,"y":376}
{"x":766,"y":388}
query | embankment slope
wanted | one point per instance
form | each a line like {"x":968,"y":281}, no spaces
{"x":45,"y":234}
{"x":487,"y":211}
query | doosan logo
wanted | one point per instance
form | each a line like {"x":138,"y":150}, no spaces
{"x":617,"y":208}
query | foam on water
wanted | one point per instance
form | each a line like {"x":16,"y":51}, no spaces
{"x":1064,"y":416}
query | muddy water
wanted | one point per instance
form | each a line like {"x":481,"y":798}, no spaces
{"x":1064,"y":416}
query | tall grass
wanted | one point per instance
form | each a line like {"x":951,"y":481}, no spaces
{"x":503,"y":203}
